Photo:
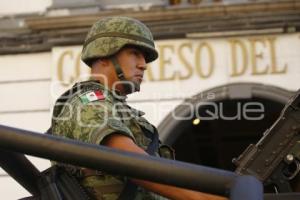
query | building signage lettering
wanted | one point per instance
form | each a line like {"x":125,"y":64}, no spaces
{"x":186,"y":58}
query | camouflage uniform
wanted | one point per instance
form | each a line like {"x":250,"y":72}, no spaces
{"x":93,"y":112}
{"x":91,"y":120}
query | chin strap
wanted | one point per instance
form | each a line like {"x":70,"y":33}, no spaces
{"x":126,"y":83}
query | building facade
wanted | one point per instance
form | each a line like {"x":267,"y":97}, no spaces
{"x":225,"y":70}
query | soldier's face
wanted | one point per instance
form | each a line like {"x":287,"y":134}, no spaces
{"x":133,"y":64}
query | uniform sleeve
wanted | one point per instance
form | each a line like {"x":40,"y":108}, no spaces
{"x":96,"y":120}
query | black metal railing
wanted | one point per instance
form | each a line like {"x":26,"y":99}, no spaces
{"x":197,"y":177}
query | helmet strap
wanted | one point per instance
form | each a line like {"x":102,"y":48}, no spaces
{"x":126,"y":83}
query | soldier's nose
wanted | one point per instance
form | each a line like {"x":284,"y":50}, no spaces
{"x":142,"y":66}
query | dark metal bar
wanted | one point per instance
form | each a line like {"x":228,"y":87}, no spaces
{"x":114,"y":161}
{"x":21,"y":169}
{"x":282,"y":196}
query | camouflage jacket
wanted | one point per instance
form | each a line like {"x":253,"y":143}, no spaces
{"x":89,"y":113}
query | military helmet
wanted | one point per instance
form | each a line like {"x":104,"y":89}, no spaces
{"x":108,"y":35}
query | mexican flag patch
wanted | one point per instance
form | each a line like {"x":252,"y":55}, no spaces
{"x":92,"y":96}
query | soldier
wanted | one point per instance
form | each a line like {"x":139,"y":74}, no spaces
{"x":95,"y":111}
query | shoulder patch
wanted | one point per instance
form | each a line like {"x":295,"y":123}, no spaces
{"x":92,"y":96}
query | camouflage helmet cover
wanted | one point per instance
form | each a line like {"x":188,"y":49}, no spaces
{"x":108,"y":35}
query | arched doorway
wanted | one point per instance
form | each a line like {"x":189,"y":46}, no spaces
{"x":231,"y":117}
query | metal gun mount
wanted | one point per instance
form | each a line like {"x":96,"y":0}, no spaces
{"x":275,"y":158}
